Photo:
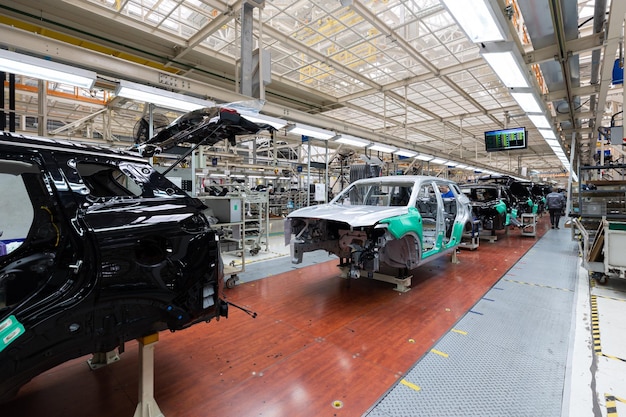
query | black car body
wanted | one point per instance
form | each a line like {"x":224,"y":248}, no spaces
{"x":539,"y":192}
{"x":98,"y":248}
{"x":491,"y":204}
{"x":522,"y":201}
{"x":527,"y":202}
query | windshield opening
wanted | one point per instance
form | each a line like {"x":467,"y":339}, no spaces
{"x":376,"y":194}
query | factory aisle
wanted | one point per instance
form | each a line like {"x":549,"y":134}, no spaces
{"x":508,"y":355}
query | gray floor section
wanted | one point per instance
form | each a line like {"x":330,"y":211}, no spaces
{"x":507,"y":356}
{"x":264,"y":269}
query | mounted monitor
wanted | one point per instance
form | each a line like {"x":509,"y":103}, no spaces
{"x":506,"y":139}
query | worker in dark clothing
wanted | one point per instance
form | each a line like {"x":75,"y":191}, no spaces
{"x":556,"y":203}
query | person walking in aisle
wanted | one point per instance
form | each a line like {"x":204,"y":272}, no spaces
{"x":555,"y":202}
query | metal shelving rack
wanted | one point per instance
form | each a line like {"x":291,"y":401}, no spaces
{"x":228,"y":211}
{"x":607,"y":201}
{"x":257,"y":221}
{"x":243,"y":220}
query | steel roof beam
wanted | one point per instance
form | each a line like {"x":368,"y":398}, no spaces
{"x":576,"y":46}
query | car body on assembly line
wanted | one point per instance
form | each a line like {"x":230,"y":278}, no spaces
{"x":392,"y":223}
{"x":98,"y":248}
{"x":491,"y":203}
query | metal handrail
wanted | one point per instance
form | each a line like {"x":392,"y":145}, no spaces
{"x":585,"y":241}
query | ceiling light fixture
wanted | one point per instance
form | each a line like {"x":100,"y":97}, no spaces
{"x":262,"y":119}
{"x":405,"y":153}
{"x":439,"y":161}
{"x":477,"y":19}
{"x":352,"y":141}
{"x":507,"y":69}
{"x":547,"y":134}
{"x":160,"y":97}
{"x":382,"y":148}
{"x":424,"y":157}
{"x":43,"y":69}
{"x":507,"y":63}
{"x":310,"y":131}
{"x":540,"y":121}
{"x":527,"y":102}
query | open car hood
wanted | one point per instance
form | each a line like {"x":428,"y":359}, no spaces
{"x":355,"y":216}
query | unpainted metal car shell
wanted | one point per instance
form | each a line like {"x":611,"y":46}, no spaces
{"x":399,"y":223}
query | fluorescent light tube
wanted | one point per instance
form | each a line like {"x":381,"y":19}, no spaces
{"x":462,"y":166}
{"x":477,"y":19}
{"x":382,"y":148}
{"x":439,"y":161}
{"x":424,"y":157}
{"x":262,"y":119}
{"x":405,"y":153}
{"x":547,"y":134}
{"x":314,"y":132}
{"x":43,"y":69}
{"x":527,"y":102}
{"x":160,"y":97}
{"x":352,"y":141}
{"x":540,"y":121}
{"x":508,"y":69}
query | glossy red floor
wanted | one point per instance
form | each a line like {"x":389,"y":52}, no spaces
{"x":320,"y":346}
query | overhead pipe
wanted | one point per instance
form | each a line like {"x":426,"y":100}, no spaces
{"x":559,"y":31}
{"x":598,"y":26}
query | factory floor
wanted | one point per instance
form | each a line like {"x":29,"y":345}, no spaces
{"x":514,"y":328}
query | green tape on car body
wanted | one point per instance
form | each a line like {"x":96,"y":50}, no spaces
{"x":10,"y":329}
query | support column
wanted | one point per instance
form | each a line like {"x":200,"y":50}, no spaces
{"x":3,"y":116}
{"x":147,"y":406}
{"x":308,"y":175}
{"x":11,"y":102}
{"x":246,"y":49}
{"x":326,"y":183}
{"x":42,"y":108}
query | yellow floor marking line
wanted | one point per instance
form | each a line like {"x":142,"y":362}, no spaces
{"x":539,"y":285}
{"x":464,"y":333}
{"x":440,"y":353}
{"x":611,"y":298}
{"x":611,"y":407}
{"x":595,"y":326}
{"x":595,"y":331}
{"x":410,"y":385}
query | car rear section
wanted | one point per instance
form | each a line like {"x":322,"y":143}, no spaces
{"x":107,"y":251}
